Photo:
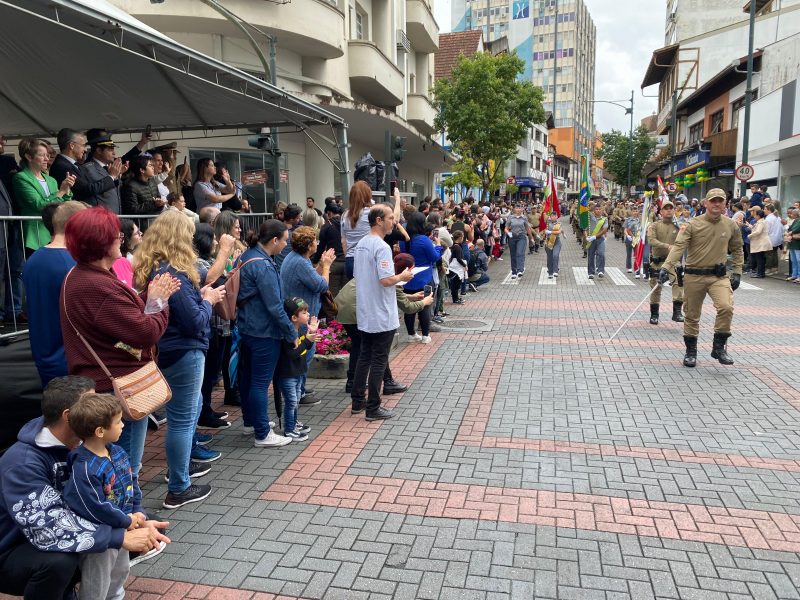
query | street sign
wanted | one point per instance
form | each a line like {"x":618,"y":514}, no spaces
{"x":672,"y":187}
{"x":662,"y":141}
{"x":511,"y":180}
{"x":745,"y":172}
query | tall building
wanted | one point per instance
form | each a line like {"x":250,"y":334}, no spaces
{"x":557,"y":39}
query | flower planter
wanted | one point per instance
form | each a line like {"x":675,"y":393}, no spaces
{"x":332,"y":366}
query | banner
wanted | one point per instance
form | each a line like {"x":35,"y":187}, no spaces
{"x":550,"y":198}
{"x":586,"y":194}
{"x":642,"y":237}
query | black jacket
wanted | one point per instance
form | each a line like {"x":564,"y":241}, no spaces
{"x":84,"y":188}
{"x":138,"y":197}
{"x":97,"y":193}
{"x":292,"y":361}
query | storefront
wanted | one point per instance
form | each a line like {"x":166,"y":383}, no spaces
{"x":690,"y":172}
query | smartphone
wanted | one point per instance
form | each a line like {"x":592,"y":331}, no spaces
{"x":392,"y":186}
{"x":427,"y":290}
{"x":148,"y":131}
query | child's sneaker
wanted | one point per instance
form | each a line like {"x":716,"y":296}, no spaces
{"x":296,"y":436}
{"x":302,"y":428}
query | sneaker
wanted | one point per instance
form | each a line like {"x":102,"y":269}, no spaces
{"x":630,"y":270}
{"x":137,"y":557}
{"x":272,"y":440}
{"x":555,"y":274}
{"x":356,"y":408}
{"x":203,"y":438}
{"x":302,"y":428}
{"x":220,"y":415}
{"x":250,"y":430}
{"x":380,"y":414}
{"x":638,"y":275}
{"x":601,"y":274}
{"x":549,"y":276}
{"x":295,"y":436}
{"x":473,"y":287}
{"x":521,"y":273}
{"x":196,"y":470}
{"x":194,"y":493}
{"x":459,"y":301}
{"x":436,"y":319}
{"x":499,"y":258}
{"x":591,"y":276}
{"x":426,"y":339}
{"x":513,"y":277}
{"x":309,"y":400}
{"x":414,"y":338}
{"x":213,"y":423}
{"x":159,"y":417}
{"x":202,"y":454}
{"x":444,"y":314}
{"x":152,"y":423}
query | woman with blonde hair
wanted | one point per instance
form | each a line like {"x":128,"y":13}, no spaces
{"x":355,"y":223}
{"x":168,"y":248}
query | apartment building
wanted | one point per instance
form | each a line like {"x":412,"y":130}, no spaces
{"x":368,"y":61}
{"x":689,"y":18}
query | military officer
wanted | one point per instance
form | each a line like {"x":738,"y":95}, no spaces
{"x":661,"y":235}
{"x":707,"y":239}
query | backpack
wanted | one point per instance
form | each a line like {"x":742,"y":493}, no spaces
{"x":472,"y":265}
{"x":226,"y":308}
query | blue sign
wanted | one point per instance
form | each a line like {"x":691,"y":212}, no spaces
{"x":690,"y":160}
{"x":529,"y":182}
{"x":521,"y":9}
{"x":725,"y":172}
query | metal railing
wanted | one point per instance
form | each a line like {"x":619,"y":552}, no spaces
{"x":13,"y":254}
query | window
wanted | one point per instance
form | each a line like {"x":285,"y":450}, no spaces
{"x":738,"y":106}
{"x":716,"y":122}
{"x":695,"y":133}
{"x":362,"y":24}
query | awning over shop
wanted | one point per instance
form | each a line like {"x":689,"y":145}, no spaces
{"x":86,"y":63}
{"x":660,"y":62}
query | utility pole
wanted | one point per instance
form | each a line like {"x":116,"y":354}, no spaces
{"x":748,"y":94}
{"x":555,"y":61}
{"x":630,"y":146}
{"x":276,"y":167}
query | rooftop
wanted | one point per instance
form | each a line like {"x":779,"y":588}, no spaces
{"x":453,"y":45}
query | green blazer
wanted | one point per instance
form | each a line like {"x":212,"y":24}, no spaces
{"x":31,"y":200}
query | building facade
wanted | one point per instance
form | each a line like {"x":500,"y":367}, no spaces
{"x":557,"y":39}
{"x":369,"y":61}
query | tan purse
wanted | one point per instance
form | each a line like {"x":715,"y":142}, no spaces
{"x":141,"y":392}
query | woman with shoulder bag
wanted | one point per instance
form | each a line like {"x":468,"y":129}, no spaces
{"x":119,"y":326}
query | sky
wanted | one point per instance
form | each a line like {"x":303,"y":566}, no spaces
{"x":627,"y":33}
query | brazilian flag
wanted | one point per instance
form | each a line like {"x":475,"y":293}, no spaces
{"x":586,"y":193}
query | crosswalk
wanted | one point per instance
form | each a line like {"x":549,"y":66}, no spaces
{"x":613,"y":276}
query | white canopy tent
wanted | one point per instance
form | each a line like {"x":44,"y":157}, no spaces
{"x":86,"y":63}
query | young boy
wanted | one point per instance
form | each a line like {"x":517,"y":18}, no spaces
{"x":102,"y":488}
{"x":292,"y":365}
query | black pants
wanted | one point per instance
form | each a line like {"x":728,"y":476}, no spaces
{"x":424,"y":318}
{"x":370,"y":369}
{"x":455,"y":286}
{"x":355,"y":352}
{"x":214,"y":360}
{"x":759,"y":262}
{"x":36,"y":575}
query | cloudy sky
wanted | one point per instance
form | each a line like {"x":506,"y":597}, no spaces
{"x":627,"y":33}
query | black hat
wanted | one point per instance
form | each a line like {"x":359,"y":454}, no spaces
{"x":294,"y":305}
{"x":99,"y":137}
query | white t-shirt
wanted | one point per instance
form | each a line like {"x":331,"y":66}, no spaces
{"x":376,"y":305}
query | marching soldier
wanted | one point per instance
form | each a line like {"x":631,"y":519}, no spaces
{"x":617,"y":219}
{"x":661,"y":236}
{"x":708,"y":239}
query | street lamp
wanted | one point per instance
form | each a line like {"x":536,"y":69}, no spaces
{"x":748,"y":94}
{"x":628,"y":111}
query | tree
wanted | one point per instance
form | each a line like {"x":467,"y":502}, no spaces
{"x":486,"y":111}
{"x":614,"y":152}
{"x":464,"y":174}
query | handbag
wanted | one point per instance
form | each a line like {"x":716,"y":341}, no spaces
{"x":329,"y":307}
{"x":226,"y":308}
{"x":141,"y":392}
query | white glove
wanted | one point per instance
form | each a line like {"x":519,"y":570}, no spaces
{"x":591,"y":238}
{"x":628,"y":238}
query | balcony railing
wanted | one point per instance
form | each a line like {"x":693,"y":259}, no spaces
{"x":723,"y":143}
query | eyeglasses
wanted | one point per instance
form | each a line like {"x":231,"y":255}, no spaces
{"x":121,"y":237}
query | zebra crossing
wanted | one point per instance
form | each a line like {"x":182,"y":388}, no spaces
{"x":613,"y":276}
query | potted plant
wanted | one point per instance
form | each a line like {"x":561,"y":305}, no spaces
{"x":332,"y":352}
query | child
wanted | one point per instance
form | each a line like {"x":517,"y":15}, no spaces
{"x":102,"y":488}
{"x":292,"y":365}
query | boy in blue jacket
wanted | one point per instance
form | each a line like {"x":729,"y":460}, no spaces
{"x":104,"y":489}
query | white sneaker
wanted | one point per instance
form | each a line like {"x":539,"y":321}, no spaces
{"x":630,"y":270}
{"x":249,"y":430}
{"x":555,"y":274}
{"x":426,"y":339}
{"x":272,"y":440}
{"x":638,"y":275}
{"x":513,"y":278}
{"x":415,"y":338}
{"x":601,"y":274}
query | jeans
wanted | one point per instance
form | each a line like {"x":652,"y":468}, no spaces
{"x":479,"y":279}
{"x":349,"y":267}
{"x":597,"y":256}
{"x":553,"y":257}
{"x":370,"y":369}
{"x":424,"y":318}
{"x":516,"y":247}
{"x":132,"y":441}
{"x":355,"y":351}
{"x":36,"y":575}
{"x":103,"y":574}
{"x":291,"y":390}
{"x":257,"y":361}
{"x":794,"y":256}
{"x":185,"y":377}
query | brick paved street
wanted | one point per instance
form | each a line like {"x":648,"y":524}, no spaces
{"x":528,"y":461}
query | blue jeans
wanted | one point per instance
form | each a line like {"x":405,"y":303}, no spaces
{"x":553,"y":257}
{"x":185,"y":378}
{"x":132,"y":441}
{"x":291,"y":390}
{"x":794,"y":255}
{"x":597,"y":256}
{"x":481,"y":279}
{"x":258,"y":358}
{"x":349,"y":267}
{"x":516,"y":246}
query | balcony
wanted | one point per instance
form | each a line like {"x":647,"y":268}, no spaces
{"x":723,"y":144}
{"x":420,"y":113}
{"x":421,"y":26}
{"x":374,"y":77}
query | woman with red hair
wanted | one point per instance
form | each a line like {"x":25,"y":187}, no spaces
{"x":110,"y":315}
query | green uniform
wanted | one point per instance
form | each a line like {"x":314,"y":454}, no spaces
{"x":708,"y":244}
{"x":661,"y":235}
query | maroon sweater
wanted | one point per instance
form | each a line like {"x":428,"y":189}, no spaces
{"x":107,"y":313}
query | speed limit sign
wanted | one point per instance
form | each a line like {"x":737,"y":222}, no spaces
{"x":745,"y":172}
{"x":672,"y":187}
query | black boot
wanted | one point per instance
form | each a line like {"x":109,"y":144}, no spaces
{"x":720,"y":351}
{"x":348,"y":387}
{"x":646,"y":271}
{"x":232,"y":397}
{"x":654,"y":314}
{"x":390,"y":386}
{"x":676,"y":312}
{"x":690,"y":359}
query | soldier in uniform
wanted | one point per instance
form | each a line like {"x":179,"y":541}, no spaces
{"x":617,"y":219}
{"x":708,"y":239}
{"x":661,"y":236}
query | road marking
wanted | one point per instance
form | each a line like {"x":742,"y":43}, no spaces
{"x":618,"y":277}
{"x":581,"y":276}
{"x":748,"y":286}
{"x":543,"y":280}
{"x":509,"y":281}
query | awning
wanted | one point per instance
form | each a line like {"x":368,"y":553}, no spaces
{"x":86,"y":63}
{"x":660,"y":62}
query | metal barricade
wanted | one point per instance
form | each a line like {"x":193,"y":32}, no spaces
{"x":13,"y":254}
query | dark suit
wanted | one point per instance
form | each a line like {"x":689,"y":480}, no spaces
{"x":95,"y":175}
{"x":84,"y":189}
{"x":5,"y":238}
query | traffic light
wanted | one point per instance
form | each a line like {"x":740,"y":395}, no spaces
{"x":265,"y":142}
{"x":398,"y":148}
